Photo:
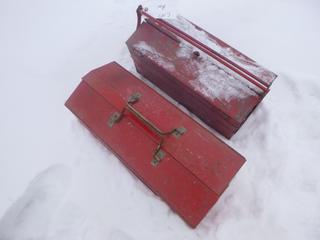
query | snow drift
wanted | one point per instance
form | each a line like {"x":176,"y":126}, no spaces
{"x":83,"y":191}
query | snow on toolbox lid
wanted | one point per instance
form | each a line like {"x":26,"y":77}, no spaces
{"x":226,"y":78}
{"x":213,"y":47}
{"x":171,"y":153}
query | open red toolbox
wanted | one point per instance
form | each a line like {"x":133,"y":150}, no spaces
{"x":178,"y":159}
{"x":216,"y":82}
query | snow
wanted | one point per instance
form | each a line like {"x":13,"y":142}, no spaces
{"x":186,"y":26}
{"x":59,"y":182}
{"x":214,"y":80}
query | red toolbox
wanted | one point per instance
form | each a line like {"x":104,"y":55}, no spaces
{"x":178,"y":159}
{"x":213,"y":80}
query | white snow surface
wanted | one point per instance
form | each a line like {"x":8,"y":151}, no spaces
{"x":214,"y":80}
{"x":145,"y":48}
{"x":58,"y":182}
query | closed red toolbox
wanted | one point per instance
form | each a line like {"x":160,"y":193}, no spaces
{"x":178,"y":159}
{"x":213,"y":80}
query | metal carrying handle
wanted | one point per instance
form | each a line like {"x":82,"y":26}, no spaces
{"x":214,"y":54}
{"x":158,"y":153}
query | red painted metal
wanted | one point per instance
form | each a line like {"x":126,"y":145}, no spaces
{"x":196,"y":168}
{"x":224,"y":116}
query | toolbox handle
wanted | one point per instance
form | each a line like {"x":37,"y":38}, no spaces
{"x":220,"y":58}
{"x":138,"y":11}
{"x":158,"y":153}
